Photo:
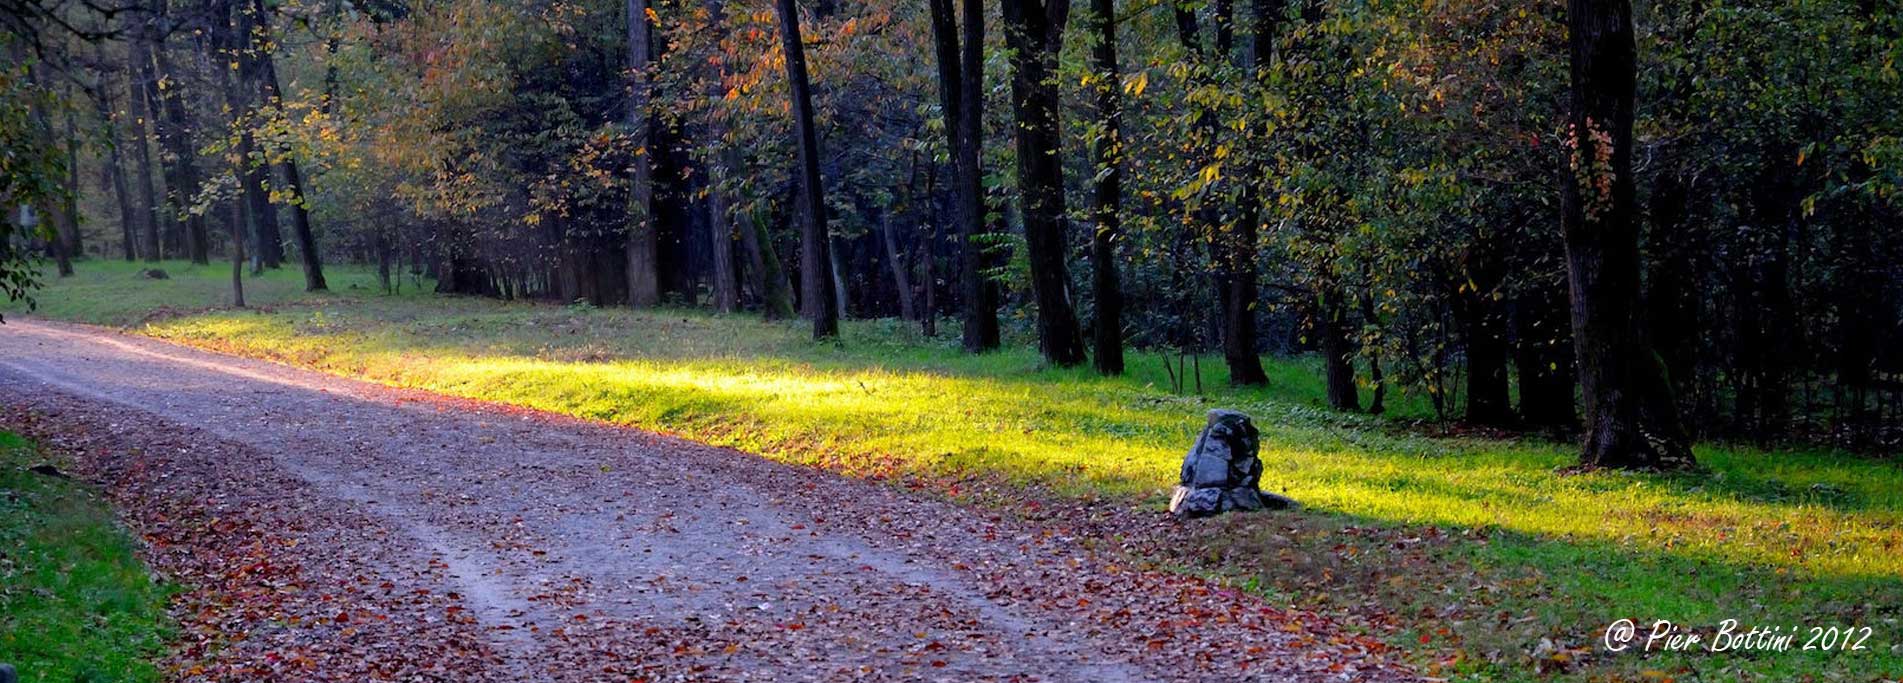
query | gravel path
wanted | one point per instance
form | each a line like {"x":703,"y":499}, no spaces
{"x":329,"y":529}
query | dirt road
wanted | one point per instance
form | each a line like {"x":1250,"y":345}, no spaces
{"x":329,"y":529}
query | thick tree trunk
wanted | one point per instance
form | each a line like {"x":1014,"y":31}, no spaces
{"x":1107,"y":199}
{"x":1034,"y":30}
{"x":644,"y":246}
{"x":1631,"y":420}
{"x":816,"y":266}
{"x":961,"y":94}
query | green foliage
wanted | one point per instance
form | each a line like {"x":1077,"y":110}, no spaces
{"x":75,"y":602}
{"x":32,"y":169}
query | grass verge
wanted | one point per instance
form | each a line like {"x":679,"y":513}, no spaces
{"x":1470,"y":550}
{"x":76,"y":605}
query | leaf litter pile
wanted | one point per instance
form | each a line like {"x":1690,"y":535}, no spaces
{"x":322,"y":529}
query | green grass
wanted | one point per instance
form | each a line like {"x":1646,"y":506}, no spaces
{"x":1790,"y":537}
{"x":75,"y":603}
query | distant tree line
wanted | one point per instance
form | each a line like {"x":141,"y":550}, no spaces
{"x":1647,"y":223}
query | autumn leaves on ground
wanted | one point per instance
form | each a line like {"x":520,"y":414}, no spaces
{"x":1471,"y":554}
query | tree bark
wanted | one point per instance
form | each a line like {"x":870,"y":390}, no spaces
{"x":177,"y":134}
{"x":720,"y":221}
{"x":1483,"y":328}
{"x":1377,"y":404}
{"x":238,"y":222}
{"x":287,"y":166}
{"x":267,"y":238}
{"x":1231,"y":251}
{"x":114,"y":167}
{"x":1107,"y":198}
{"x":70,"y":242}
{"x":1631,"y":419}
{"x":720,"y":232}
{"x":772,"y":285}
{"x":816,"y":267}
{"x":138,"y":80}
{"x":961,"y":95}
{"x":1338,"y":351}
{"x":1034,"y":30}
{"x":643,"y":248}
{"x":902,"y":281}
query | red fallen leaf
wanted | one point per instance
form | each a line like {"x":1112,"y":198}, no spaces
{"x":938,"y":663}
{"x":1425,"y":638}
{"x":795,"y":626}
{"x":341,"y":618}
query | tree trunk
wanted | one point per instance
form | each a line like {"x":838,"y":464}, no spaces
{"x":238,"y":222}
{"x":775,"y":290}
{"x":1107,"y":199}
{"x":70,"y":244}
{"x":53,"y":218}
{"x":1483,"y":327}
{"x":816,"y":277}
{"x":1338,"y":352}
{"x":287,"y":166}
{"x":384,"y":254}
{"x":1034,"y":30}
{"x":720,"y":221}
{"x":1378,"y":403}
{"x":1631,"y":420}
{"x":114,"y":167}
{"x":961,"y":94}
{"x":140,"y":52}
{"x":1231,"y":252}
{"x":1542,"y":357}
{"x":902,"y":281}
{"x":1487,"y":401}
{"x":644,"y":247}
{"x":138,"y":78}
{"x":840,"y":300}
{"x":720,"y":234}
{"x":267,"y":238}
{"x":177,"y":133}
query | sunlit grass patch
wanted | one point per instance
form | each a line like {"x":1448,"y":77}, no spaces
{"x":1793,"y":536}
{"x":75,"y":602}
